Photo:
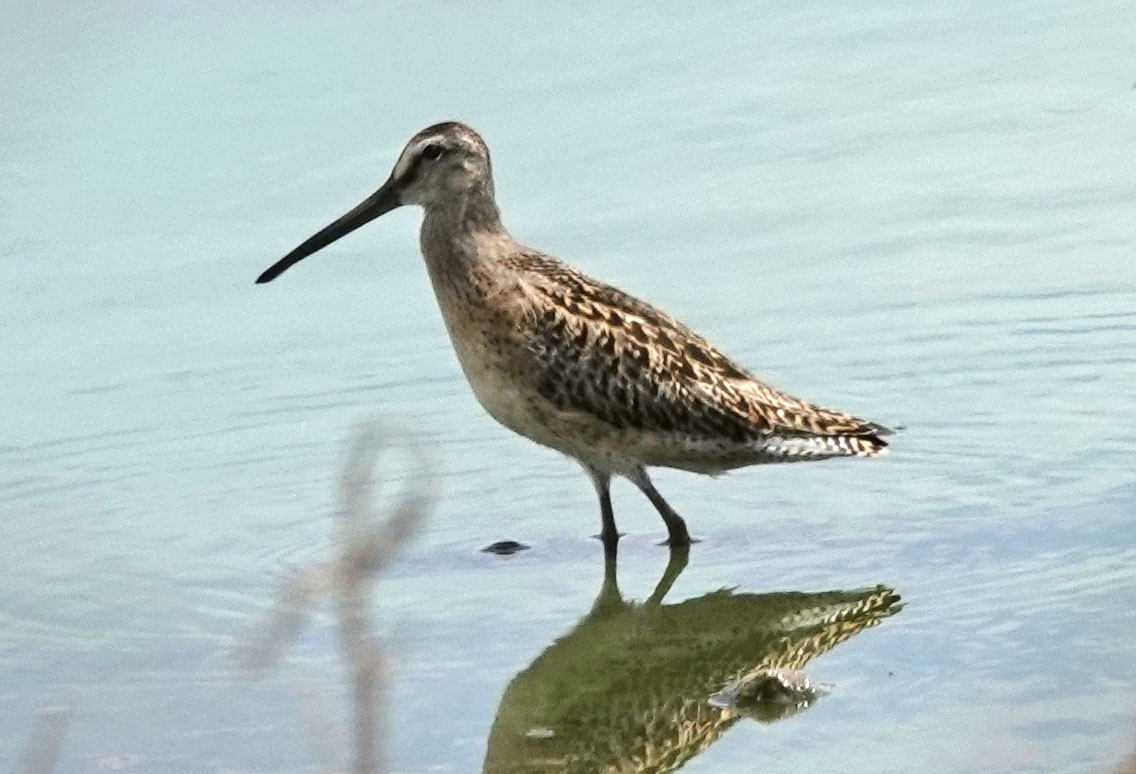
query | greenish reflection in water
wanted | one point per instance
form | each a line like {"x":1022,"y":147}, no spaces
{"x":628,"y":688}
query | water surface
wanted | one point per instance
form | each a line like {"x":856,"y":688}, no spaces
{"x":921,"y":214}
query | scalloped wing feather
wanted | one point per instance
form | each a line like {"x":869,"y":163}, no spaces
{"x":609,"y":355}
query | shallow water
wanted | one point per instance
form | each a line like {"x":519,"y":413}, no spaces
{"x":919,"y":214}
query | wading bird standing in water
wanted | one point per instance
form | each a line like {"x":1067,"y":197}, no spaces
{"x":577,"y":365}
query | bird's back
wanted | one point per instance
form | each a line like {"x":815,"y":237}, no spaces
{"x":660,"y":390}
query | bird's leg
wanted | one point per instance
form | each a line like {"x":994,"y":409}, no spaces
{"x":676,"y":527}
{"x":608,"y":534}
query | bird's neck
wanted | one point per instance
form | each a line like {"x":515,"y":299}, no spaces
{"x":463,"y":231}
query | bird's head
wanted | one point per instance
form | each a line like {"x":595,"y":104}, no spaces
{"x":439,"y":166}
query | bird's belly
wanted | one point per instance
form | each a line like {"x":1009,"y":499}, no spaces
{"x":507,"y":396}
{"x":502,"y":380}
{"x":583,"y":437}
{"x":505,"y":399}
{"x":499,"y":391}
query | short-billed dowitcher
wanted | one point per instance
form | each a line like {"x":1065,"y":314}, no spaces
{"x":575,"y":364}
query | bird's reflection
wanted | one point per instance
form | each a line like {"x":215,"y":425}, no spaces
{"x":629,"y":688}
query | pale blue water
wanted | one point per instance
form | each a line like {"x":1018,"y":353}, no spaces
{"x":923,"y":213}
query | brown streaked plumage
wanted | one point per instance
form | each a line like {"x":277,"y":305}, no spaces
{"x":575,"y":364}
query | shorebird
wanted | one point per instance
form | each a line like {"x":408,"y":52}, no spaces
{"x":577,"y":365}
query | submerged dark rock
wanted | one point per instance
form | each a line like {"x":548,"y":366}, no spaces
{"x":505,"y":548}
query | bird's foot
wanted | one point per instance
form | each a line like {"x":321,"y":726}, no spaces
{"x":679,"y":541}
{"x":610,"y":542}
{"x":609,"y":538}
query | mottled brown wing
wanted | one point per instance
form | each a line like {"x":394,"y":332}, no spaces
{"x":619,"y":359}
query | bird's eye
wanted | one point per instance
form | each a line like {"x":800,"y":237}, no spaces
{"x":432,"y":152}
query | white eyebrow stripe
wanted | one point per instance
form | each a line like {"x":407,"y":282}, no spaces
{"x":402,"y":166}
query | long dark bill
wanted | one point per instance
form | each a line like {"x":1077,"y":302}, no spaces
{"x":380,"y":202}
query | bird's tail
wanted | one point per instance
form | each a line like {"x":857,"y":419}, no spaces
{"x":817,"y":446}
